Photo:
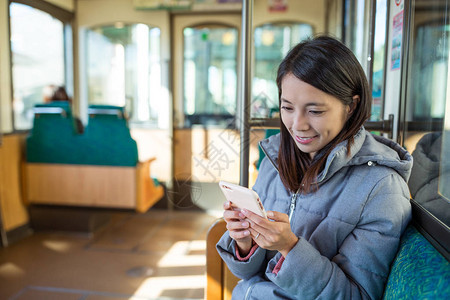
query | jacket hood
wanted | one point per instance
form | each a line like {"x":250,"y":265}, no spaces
{"x":367,"y":149}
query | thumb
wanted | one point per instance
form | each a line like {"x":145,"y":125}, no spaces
{"x":278,"y":216}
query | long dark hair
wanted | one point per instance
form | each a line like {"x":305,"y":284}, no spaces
{"x":331,"y":67}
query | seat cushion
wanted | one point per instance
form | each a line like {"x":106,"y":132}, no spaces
{"x":419,"y":271}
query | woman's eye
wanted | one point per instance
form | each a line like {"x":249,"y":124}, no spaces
{"x":286,"y":108}
{"x":316,"y":112}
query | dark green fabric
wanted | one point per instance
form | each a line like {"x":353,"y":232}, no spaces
{"x":269,"y":132}
{"x":51,"y":136}
{"x":419,"y":271}
{"x":112,"y":143}
{"x":105,"y":141}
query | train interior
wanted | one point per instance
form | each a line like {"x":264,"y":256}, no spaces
{"x":110,"y":191}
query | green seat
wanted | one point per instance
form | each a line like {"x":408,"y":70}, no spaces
{"x":269,"y":132}
{"x":106,"y":140}
{"x":52,"y":135}
{"x":109,"y":139}
{"x":419,"y":271}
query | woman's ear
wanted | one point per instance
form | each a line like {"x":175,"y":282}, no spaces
{"x":352,"y":106}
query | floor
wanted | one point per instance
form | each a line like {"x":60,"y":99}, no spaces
{"x":156,"y":255}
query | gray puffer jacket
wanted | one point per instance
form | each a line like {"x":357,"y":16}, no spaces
{"x":349,"y":230}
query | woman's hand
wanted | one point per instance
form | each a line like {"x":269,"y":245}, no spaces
{"x":272,"y":235}
{"x":238,"y":228}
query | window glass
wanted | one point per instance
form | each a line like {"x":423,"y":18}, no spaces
{"x":356,"y":34}
{"x":38,"y":59}
{"x":427,"y":108}
{"x":124,"y":69}
{"x":209,"y":74}
{"x":429,"y":71}
{"x":379,"y":60}
{"x":272,"y":42}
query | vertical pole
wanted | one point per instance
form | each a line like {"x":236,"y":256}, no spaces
{"x":370,"y":57}
{"x":245,"y":91}
{"x":407,"y":40}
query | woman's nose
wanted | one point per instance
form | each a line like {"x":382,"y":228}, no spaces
{"x":300,"y":123}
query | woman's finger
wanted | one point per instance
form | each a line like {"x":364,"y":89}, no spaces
{"x":258,"y":223}
{"x":232,"y":215}
{"x":277,"y":216}
{"x":238,"y":235}
{"x":240,"y":225}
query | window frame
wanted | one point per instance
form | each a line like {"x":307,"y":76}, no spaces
{"x":147,"y":124}
{"x":274,"y":24}
{"x":67,"y":18}
{"x":432,"y":228}
{"x":229,"y":120}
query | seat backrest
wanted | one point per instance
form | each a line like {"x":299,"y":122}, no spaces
{"x":269,"y":133}
{"x":220,"y":281}
{"x":108,"y":129}
{"x":106,"y":140}
{"x":419,"y":271}
{"x":52,"y":134}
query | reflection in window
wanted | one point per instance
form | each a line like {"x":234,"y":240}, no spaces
{"x":38,"y":59}
{"x":124,"y":69}
{"x":272,"y":42}
{"x":210,"y":80}
{"x":444,"y":176}
{"x":429,"y":71}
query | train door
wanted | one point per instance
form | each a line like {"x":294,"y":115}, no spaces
{"x":205,"y":83}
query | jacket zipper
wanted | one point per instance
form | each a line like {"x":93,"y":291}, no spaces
{"x":291,"y":213}
{"x":292,"y":206}
{"x":294,"y":196}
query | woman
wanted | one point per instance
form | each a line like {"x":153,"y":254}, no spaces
{"x":336,"y":195}
{"x":53,"y":93}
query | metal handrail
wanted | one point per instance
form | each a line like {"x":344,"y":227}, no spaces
{"x":245,"y":90}
{"x":106,"y":111}
{"x":384,"y":126}
{"x":50,"y":111}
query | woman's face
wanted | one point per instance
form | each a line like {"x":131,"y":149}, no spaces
{"x":312,"y":117}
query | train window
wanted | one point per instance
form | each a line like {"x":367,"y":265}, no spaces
{"x":356,"y":34}
{"x":272,"y":42}
{"x":379,"y":60}
{"x":429,"y":71}
{"x":210,"y":74}
{"x":427,"y":113}
{"x":123,"y":66}
{"x":39,"y":56}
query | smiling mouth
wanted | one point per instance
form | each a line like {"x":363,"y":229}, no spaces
{"x":305,"y":140}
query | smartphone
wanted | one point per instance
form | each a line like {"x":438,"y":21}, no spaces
{"x":243,"y":197}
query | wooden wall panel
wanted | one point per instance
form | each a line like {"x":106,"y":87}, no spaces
{"x":81,"y":185}
{"x":13,"y":210}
